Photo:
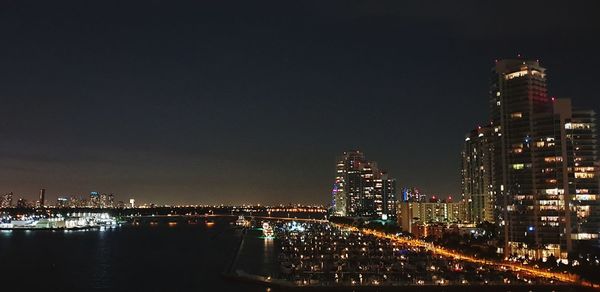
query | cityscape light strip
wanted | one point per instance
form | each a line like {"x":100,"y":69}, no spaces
{"x":567,"y":278}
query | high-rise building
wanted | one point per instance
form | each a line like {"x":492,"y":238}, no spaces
{"x":580,"y":133}
{"x":537,"y":145}
{"x":477,"y":189}
{"x":77,"y":202}
{"x":6,"y":200}
{"x":360,"y":189}
{"x":42,"y":201}
{"x":348,"y":189}
{"x":94,"y":201}
{"x":366,"y":199}
{"x":339,"y":197}
{"x":62,"y":202}
{"x":517,"y":94}
{"x":106,"y":201}
{"x":566,"y":179}
{"x":22,"y":203}
{"x":411,"y":194}
{"x":385,"y":195}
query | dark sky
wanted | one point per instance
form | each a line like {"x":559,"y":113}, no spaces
{"x":251,"y":101}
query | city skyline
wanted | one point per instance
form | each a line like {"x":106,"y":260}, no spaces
{"x":257,"y":111}
{"x":299,"y":145}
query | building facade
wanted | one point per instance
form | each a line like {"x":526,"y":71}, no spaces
{"x":361,"y":189}
{"x":477,"y":188}
{"x":537,"y":163}
{"x":42,"y":201}
{"x":385,"y":195}
{"x":411,"y":214}
{"x":411,"y":194}
{"x":7,"y":200}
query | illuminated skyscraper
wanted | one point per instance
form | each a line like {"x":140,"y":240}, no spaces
{"x":42,"y":200}
{"x":22,"y":203}
{"x":94,"y":201}
{"x":62,"y":202}
{"x":350,"y":186}
{"x":477,"y":189}
{"x":106,"y":201}
{"x":567,"y":178}
{"x":338,"y":194}
{"x":517,"y":94}
{"x":360,"y":189}
{"x":581,"y":136}
{"x":535,"y":154}
{"x":411,"y":194}
{"x":6,"y":200}
{"x":385,"y":195}
{"x":366,"y":199}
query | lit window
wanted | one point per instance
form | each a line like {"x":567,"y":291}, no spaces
{"x":516,"y":115}
{"x":577,"y":126}
{"x":585,"y":197}
{"x":518,"y":166}
{"x":554,"y":191}
{"x":584,"y":175}
{"x":553,"y":159}
{"x":516,"y":74}
{"x":584,"y":236}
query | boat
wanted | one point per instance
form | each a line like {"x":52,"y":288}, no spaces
{"x":241,"y":221}
{"x":210,"y":223}
{"x":267,"y":230}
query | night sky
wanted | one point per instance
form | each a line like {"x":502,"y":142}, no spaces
{"x":252,"y":101}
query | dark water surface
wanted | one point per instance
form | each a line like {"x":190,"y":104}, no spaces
{"x":159,"y":257}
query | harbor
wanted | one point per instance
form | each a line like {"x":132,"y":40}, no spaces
{"x":325,"y":256}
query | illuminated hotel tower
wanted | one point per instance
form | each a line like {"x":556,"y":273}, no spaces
{"x":542,"y":151}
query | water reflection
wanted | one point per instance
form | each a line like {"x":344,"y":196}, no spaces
{"x":140,"y":257}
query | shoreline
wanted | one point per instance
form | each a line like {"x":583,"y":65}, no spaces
{"x":49,"y":228}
